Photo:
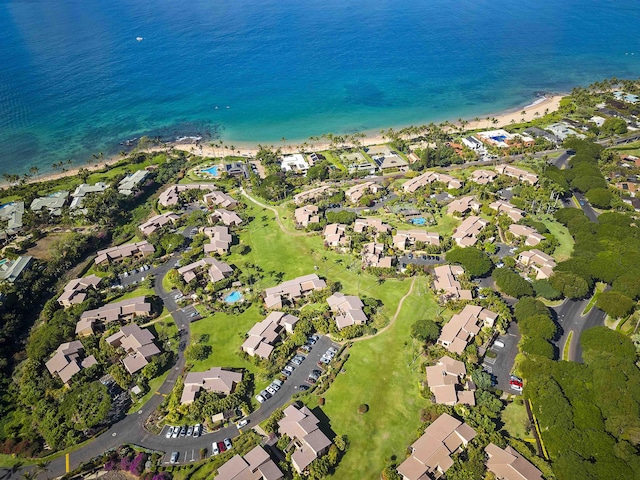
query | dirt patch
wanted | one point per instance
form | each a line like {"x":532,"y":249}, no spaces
{"x":42,"y":250}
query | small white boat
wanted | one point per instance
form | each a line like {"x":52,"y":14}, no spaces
{"x":139,"y":39}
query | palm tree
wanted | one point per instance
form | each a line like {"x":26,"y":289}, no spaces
{"x":42,"y":466}
{"x":34,"y":171}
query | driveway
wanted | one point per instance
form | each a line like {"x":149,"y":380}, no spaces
{"x":418,"y":260}
{"x":502,"y":365}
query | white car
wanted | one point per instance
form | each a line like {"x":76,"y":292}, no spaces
{"x":274,"y":386}
{"x":260,"y":398}
{"x":214,"y":449}
{"x":271,"y":390}
{"x":243,"y":422}
{"x":169,"y":432}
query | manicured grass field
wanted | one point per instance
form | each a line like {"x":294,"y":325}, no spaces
{"x":514,"y":417}
{"x":382,"y":373}
{"x":564,"y":250}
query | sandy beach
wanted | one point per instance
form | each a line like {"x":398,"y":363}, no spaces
{"x":538,"y":108}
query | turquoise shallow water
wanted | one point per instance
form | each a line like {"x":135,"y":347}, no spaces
{"x":74,"y":80}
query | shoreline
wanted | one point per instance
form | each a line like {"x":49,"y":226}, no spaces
{"x":537,"y":108}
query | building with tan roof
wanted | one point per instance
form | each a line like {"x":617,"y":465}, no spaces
{"x":431,"y":454}
{"x":123,"y":310}
{"x":515,"y":214}
{"x":157,"y":222}
{"x":306,"y":215}
{"x":122,"y":252}
{"x":137,"y":343}
{"x":171,"y":196}
{"x":292,"y":290}
{"x":447,"y":285}
{"x":427,"y":178}
{"x":539,"y":262}
{"x":335,"y":236}
{"x":216,"y":270}
{"x":67,"y":361}
{"x":465,"y":234}
{"x":531,"y":236}
{"x":255,"y":465}
{"x":517,"y":173}
{"x":215,"y":379}
{"x":463,"y":326}
{"x":302,"y":427}
{"x":313,"y":194}
{"x":225,"y":216}
{"x":463,"y":205}
{"x":445,"y":380}
{"x":404,"y":239}
{"x":220,"y":240}
{"x":355,"y":193}
{"x":483,"y":177}
{"x":348,"y":310}
{"x":508,"y":464}
{"x":363,"y":224}
{"x":373,"y":256}
{"x":264,"y":335}
{"x":220,"y":199}
{"x":75,"y":291}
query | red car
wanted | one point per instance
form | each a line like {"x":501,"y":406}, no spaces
{"x":222,"y":447}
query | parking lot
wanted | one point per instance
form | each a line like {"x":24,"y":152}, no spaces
{"x":191,"y":313}
{"x":502,"y":365}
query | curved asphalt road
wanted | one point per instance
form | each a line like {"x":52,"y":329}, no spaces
{"x":569,"y":317}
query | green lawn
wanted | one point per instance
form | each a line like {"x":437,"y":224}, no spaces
{"x":564,"y":250}
{"x":514,"y":417}
{"x":138,"y":292}
{"x":629,"y":149}
{"x":382,"y":374}
{"x":599,"y":289}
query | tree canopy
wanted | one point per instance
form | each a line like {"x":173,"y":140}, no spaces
{"x":474,"y":261}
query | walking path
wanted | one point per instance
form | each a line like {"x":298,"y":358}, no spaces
{"x":277,"y":214}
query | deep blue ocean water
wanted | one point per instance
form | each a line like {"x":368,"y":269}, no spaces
{"x":74,"y":80}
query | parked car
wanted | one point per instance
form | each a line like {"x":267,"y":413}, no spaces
{"x":277,"y":382}
{"x":303,"y":387}
{"x":333,"y":349}
{"x":214,"y":449}
{"x":296,"y":361}
{"x":183,"y":431}
{"x":174,"y":457}
{"x":265,"y":394}
{"x":221,"y":447}
{"x":313,"y":339}
{"x":189,"y":431}
{"x":227,"y":443}
{"x":311,"y":379}
{"x":286,"y":373}
{"x":513,"y":377}
{"x":176,"y":432}
{"x":289,"y":368}
{"x":260,"y":398}
{"x":498,"y":343}
{"x":325,"y":360}
{"x":274,"y":386}
{"x":243,"y":422}
{"x":197,"y":430}
{"x":305,"y":348}
{"x":271,"y":390}
{"x":169,"y":432}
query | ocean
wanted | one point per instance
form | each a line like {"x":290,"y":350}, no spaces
{"x":75,"y":81}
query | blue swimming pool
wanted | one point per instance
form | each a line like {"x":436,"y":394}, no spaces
{"x":499,"y":138}
{"x":212,"y":170}
{"x":418,"y":221}
{"x":233,"y":297}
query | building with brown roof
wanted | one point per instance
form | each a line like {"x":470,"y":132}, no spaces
{"x":465,"y":234}
{"x":220,"y":240}
{"x":306,"y":215}
{"x":220,"y":199}
{"x":123,"y":310}
{"x":335,"y":236}
{"x":137,"y":343}
{"x":373,"y":256}
{"x":431,"y":453}
{"x":67,"y":361}
{"x":541,"y":263}
{"x":348,"y":310}
{"x":313,"y":194}
{"x":301,"y":426}
{"x":355,"y":193}
{"x":122,"y":252}
{"x":531,"y":236}
{"x":75,"y":291}
{"x":171,"y":196}
{"x":447,"y":285}
{"x":264,"y":335}
{"x":216,"y":270}
{"x":515,"y":214}
{"x":404,"y":239}
{"x":463,"y":326}
{"x":445,"y":380}
{"x":215,"y":379}
{"x":226,"y":217}
{"x":292,"y":290}
{"x":483,"y":177}
{"x":157,"y":222}
{"x":463,"y":205}
{"x":411,"y":185}
{"x":517,"y":173}
{"x":508,"y":464}
{"x":255,"y":465}
{"x":376,"y":225}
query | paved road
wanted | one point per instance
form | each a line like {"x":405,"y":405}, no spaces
{"x":586,"y":207}
{"x":502,"y":365}
{"x":569,"y":317}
